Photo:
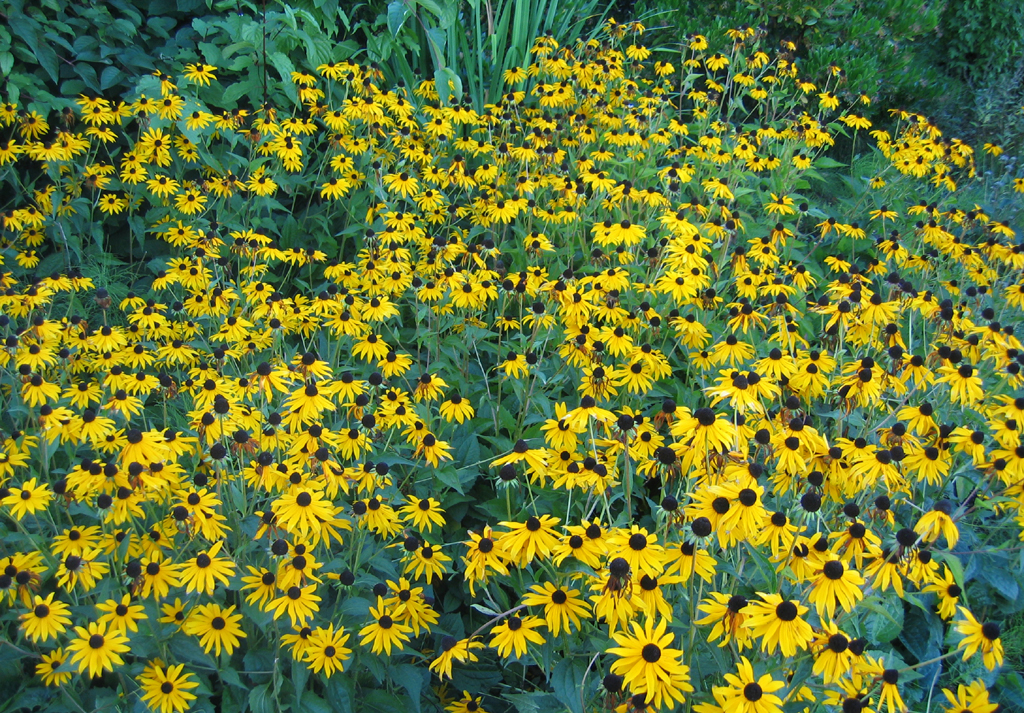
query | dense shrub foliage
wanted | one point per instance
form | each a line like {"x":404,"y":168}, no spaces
{"x":961,"y":63}
{"x":585,"y":400}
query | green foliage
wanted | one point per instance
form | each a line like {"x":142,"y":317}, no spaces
{"x":468,"y":45}
{"x":876,"y":42}
{"x":959,"y":62}
{"x":260,"y":47}
{"x":66,"y":48}
{"x":263,"y":257}
{"x":982,"y":37}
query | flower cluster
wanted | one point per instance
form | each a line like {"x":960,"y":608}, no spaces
{"x":595,"y":369}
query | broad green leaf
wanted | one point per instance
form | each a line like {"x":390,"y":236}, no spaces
{"x":398,"y":12}
{"x":826,"y":162}
{"x":567,"y":681}
{"x":888,"y":623}
{"x":261,"y":700}
{"x":284,"y":67}
{"x":411,"y":679}
{"x":314,"y":704}
{"x":450,"y":477}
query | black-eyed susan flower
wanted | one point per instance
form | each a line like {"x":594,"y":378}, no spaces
{"x":705,"y":431}
{"x":778,"y":623}
{"x":384,"y":634}
{"x":120,"y":615}
{"x":649,"y":665}
{"x":749,"y":693}
{"x":835,"y":584}
{"x":299,"y":603}
{"x":453,"y":650}
{"x":424,"y":561}
{"x":302,"y":510}
{"x":47,"y":619}
{"x":640,"y":550}
{"x":965,"y":385}
{"x":30,"y":498}
{"x":409,"y":606}
{"x":937,"y":523}
{"x":485,"y":554}
{"x":261,"y":585}
{"x":528,"y":540}
{"x":82,"y":571}
{"x":216,"y":627}
{"x":563,"y":607}
{"x":724,"y":613}
{"x":948,"y":592}
{"x":833,"y":657}
{"x":885,"y":571}
{"x":97,"y":650}
{"x":972,"y":697}
{"x":980,"y":637}
{"x":512,"y":636}
{"x":424,"y":513}
{"x":326,"y":651}
{"x":202,"y":572}
{"x":167,"y":688}
{"x":889,"y":696}
{"x":51,"y":669}
{"x":466,"y":704}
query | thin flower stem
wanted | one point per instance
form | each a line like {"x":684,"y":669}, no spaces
{"x":921,"y":664}
{"x":495,"y":619}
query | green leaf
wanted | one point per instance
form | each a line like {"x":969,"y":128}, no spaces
{"x":450,"y":477}
{"x":411,"y":679}
{"x":261,"y":700}
{"x":997,"y":572}
{"x":314,"y":704}
{"x":284,"y":67}
{"x":340,"y":694}
{"x":887,"y":625}
{"x":922,"y":634}
{"x":110,"y":77}
{"x":567,"y":680}
{"x":398,"y":13}
{"x":300,"y":675}
{"x":6,"y":63}
{"x":533,"y":702}
{"x":446,"y":13}
{"x":467,"y":450}
{"x":230,"y":676}
{"x":826,"y":162}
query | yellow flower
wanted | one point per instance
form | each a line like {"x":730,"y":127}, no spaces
{"x":217,"y":627}
{"x":167,"y":688}
{"x":512,"y":635}
{"x":562,"y":607}
{"x":980,"y":637}
{"x":190,"y":202}
{"x":28,"y":499}
{"x":200,"y":74}
{"x":384,"y":633}
{"x":649,"y":665}
{"x":748,"y":693}
{"x":96,"y":649}
{"x":49,"y":668}
{"x":778,"y":623}
{"x":453,"y":649}
{"x":46,"y":620}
